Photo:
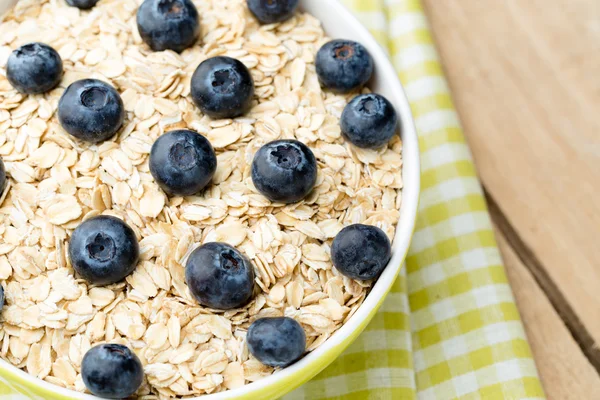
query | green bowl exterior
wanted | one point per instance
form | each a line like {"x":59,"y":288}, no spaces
{"x":19,"y":385}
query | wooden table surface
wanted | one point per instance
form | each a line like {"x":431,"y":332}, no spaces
{"x":525,"y":76}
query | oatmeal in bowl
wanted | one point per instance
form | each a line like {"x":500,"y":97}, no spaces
{"x":204,"y":196}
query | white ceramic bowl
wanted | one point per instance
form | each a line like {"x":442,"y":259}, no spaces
{"x":338,"y":23}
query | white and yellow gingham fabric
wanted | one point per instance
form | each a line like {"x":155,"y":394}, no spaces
{"x":450,"y":329}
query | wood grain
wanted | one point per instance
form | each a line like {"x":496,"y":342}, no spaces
{"x":525,"y":76}
{"x":565,"y":372}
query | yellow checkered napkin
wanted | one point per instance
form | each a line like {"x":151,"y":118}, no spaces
{"x":450,"y":328}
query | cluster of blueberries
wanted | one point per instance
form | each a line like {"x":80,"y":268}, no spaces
{"x":104,"y":249}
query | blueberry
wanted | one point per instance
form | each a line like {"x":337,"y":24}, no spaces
{"x":168,"y":24}
{"x":369,"y":121}
{"x":111,"y":371}
{"x":272,"y":11}
{"x":361,"y":251}
{"x":284,"y":171}
{"x":2,"y":176}
{"x":82,"y":4}
{"x":91,"y":110}
{"x":219,"y":276}
{"x":222,"y":87}
{"x":103,"y":250}
{"x":276,"y":342}
{"x":1,"y":296}
{"x":182,"y":162}
{"x":343,"y":66}
{"x":34,"y":68}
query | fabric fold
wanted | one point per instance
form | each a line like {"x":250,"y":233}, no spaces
{"x":450,"y":328}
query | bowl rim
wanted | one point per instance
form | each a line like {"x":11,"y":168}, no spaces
{"x":287,"y":379}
